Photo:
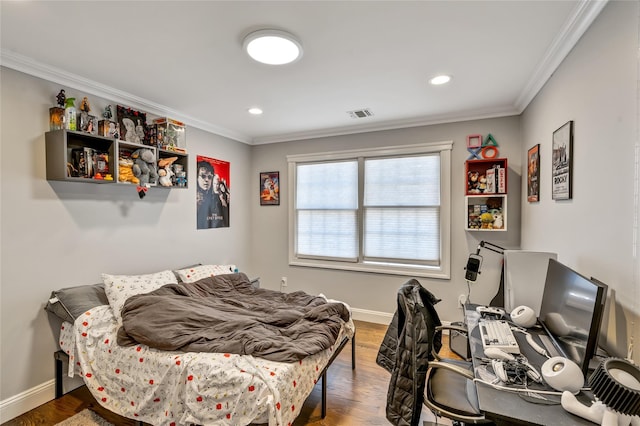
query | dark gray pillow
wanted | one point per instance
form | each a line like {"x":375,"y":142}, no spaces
{"x":69,"y":303}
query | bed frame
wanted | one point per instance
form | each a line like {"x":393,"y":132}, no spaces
{"x":61,"y":358}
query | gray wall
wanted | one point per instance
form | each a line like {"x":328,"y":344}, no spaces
{"x":596,"y":86}
{"x":61,"y":234}
{"x":377,"y":292}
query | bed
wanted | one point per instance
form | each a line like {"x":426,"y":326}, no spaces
{"x":178,"y":387}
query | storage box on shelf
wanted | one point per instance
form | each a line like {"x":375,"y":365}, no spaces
{"x":76,"y":156}
{"x":179,"y":167}
{"x":486,"y":195}
{"x":486,"y":176}
{"x":171,"y":135}
{"x":126,"y":158}
{"x":79,"y":157}
{"x":486,"y":213}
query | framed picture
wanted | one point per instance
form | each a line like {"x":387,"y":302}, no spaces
{"x":213,"y":193}
{"x":533,"y":174}
{"x":269,"y":188}
{"x":562,"y":162}
{"x":133,"y":125}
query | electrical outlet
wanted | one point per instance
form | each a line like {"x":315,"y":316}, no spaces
{"x":462,"y":299}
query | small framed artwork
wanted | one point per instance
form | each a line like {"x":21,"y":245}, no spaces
{"x":562,"y":162}
{"x":132,"y":124}
{"x":533,"y":174}
{"x":269,"y":188}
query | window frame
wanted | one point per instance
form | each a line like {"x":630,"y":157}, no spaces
{"x":441,"y":271}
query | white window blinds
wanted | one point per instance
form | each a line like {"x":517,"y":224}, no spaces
{"x":327,"y":207}
{"x":402,"y":209}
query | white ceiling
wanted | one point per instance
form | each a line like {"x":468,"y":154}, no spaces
{"x":184,"y":59}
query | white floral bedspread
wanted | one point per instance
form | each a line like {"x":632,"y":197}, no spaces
{"x":177,"y":388}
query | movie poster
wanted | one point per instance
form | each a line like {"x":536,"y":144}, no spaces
{"x":213,"y":193}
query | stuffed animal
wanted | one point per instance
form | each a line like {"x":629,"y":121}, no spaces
{"x":144,"y":166}
{"x":472,"y":182}
{"x":165,"y":172}
{"x":482,"y":183}
{"x":487,"y":220}
{"x":498,"y":222}
{"x":125,"y":171}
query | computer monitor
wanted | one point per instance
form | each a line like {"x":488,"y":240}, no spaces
{"x":571,"y":312}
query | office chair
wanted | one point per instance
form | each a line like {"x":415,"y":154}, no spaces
{"x":449,"y":388}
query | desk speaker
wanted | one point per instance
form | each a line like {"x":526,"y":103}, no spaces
{"x":562,"y":374}
{"x":524,"y":316}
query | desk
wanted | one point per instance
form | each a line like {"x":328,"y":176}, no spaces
{"x":509,"y":408}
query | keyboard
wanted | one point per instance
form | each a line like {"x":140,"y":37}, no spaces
{"x":497,"y":334}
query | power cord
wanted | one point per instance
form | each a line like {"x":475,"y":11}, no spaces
{"x":518,"y":390}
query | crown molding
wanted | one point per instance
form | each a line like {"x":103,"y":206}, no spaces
{"x":578,"y":22}
{"x":388,"y":125}
{"x":581,"y":18}
{"x":29,"y":66}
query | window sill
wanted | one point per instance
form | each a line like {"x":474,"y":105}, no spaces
{"x":426,"y":272}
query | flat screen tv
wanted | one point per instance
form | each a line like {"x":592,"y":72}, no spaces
{"x":571,"y":312}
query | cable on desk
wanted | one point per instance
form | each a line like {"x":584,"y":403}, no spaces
{"x":539,"y":400}
{"x":523,"y":390}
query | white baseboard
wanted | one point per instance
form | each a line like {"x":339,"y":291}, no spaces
{"x":26,"y":401}
{"x":379,"y":317}
{"x":371,"y":316}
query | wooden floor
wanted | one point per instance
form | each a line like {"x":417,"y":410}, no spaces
{"x":354,"y":397}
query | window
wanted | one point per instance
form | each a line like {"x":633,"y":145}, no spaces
{"x":378,"y":210}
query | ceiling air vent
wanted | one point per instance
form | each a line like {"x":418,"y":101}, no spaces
{"x":360,"y":113}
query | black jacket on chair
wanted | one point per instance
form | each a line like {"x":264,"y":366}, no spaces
{"x":406,"y":350}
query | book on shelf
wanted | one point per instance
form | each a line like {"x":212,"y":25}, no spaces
{"x":491,"y":181}
{"x":501,"y":180}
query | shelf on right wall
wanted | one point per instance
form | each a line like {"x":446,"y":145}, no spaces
{"x":486,"y":195}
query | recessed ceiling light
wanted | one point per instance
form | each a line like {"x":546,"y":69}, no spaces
{"x":272,"y":47}
{"x":440,"y":79}
{"x":255,"y":111}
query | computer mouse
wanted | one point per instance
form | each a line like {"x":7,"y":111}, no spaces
{"x":499,"y":370}
{"x":495,"y":353}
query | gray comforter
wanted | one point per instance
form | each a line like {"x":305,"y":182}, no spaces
{"x":227,"y":314}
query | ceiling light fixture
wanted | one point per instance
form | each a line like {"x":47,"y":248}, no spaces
{"x":440,"y":79}
{"x":255,"y":111}
{"x":272,"y":47}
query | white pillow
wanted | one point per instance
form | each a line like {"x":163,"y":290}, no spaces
{"x":121,"y":287}
{"x":191,"y":275}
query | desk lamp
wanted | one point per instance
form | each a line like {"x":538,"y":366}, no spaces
{"x":616,"y":387}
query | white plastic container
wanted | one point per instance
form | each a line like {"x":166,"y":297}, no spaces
{"x":70,"y":115}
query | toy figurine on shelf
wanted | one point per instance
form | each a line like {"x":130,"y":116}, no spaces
{"x":140,"y":131}
{"x":84,"y":105}
{"x":107,"y":114}
{"x":61,"y":99}
{"x":86,"y":120}
{"x":56,"y":113}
